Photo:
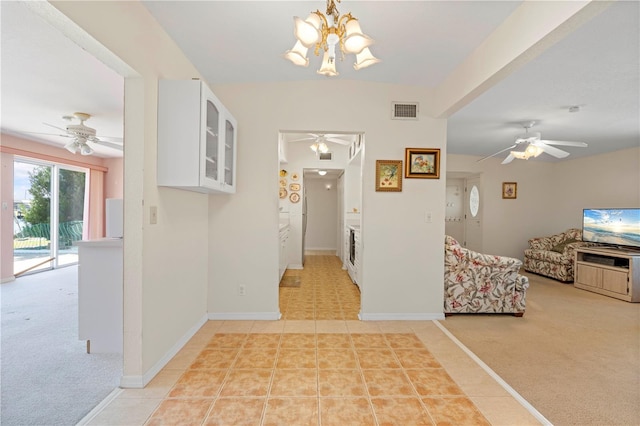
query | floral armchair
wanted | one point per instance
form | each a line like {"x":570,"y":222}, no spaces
{"x":481,"y":283}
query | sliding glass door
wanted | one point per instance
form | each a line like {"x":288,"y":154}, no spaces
{"x":48,"y":215}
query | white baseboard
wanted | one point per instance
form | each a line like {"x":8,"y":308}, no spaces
{"x":8,"y":279}
{"x":402,"y":317}
{"x":139,"y":382}
{"x":238,"y":316}
{"x":295,"y":266}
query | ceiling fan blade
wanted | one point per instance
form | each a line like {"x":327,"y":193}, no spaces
{"x":48,"y":134}
{"x":108,"y":144}
{"x":338,"y":141}
{"x":339,"y":136}
{"x":112,"y":139}
{"x":303,"y":139}
{"x":509,"y":159}
{"x":565,"y":143}
{"x":499,"y":152}
{"x":558,"y":153}
{"x":56,"y":127}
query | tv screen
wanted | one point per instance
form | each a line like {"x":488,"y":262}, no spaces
{"x":619,"y":227}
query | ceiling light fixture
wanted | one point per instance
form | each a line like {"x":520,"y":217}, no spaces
{"x":531,"y":151}
{"x":319,"y":147}
{"x":322,"y":172}
{"x":79,"y":144}
{"x":326,"y":32}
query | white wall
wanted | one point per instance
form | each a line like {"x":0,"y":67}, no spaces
{"x":551,"y":195}
{"x":165,"y":279}
{"x":322,"y":214}
{"x":397,"y":243}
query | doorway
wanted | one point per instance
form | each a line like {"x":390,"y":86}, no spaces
{"x":464,"y":205}
{"x":48,"y":215}
{"x":473,"y":214}
{"x":320,"y":196}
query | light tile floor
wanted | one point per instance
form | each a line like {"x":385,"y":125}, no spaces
{"x":329,"y":369}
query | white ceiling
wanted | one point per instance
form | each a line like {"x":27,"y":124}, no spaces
{"x":46,"y":76}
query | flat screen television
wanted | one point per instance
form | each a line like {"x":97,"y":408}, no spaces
{"x":617,"y":227}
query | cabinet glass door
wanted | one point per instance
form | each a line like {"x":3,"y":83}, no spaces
{"x":228,"y":153}
{"x":212,"y":134}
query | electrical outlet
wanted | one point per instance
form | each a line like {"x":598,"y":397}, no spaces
{"x":242,"y":290}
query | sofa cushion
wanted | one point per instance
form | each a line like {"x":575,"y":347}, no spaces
{"x":560,"y":247}
{"x":548,"y":256}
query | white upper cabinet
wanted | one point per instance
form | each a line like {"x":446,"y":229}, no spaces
{"x":196,"y":138}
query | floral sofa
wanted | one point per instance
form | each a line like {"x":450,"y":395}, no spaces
{"x":553,"y":256}
{"x":481,"y":283}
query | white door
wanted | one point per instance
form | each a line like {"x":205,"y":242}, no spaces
{"x":473,"y":215}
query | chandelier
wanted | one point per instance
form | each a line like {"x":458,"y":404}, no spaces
{"x":326,"y":32}
{"x":79,"y":144}
{"x":531,"y":151}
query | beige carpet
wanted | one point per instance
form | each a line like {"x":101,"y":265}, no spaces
{"x":575,"y":355}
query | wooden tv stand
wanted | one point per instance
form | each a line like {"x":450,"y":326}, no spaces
{"x":609,"y":271}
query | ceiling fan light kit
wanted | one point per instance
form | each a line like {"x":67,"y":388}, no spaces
{"x":326,"y":32}
{"x":319,"y":147}
{"x":81,"y":134}
{"x":534,"y":146}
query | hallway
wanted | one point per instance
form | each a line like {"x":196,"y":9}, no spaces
{"x":321,"y":291}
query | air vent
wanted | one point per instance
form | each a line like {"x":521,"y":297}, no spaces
{"x":325,"y":155}
{"x":404,"y":110}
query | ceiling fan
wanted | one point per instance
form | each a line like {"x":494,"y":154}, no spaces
{"x":327,"y":137}
{"x":319,"y":145}
{"x":80,"y":134}
{"x":534,"y":146}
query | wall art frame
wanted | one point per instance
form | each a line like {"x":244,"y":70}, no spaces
{"x":509,"y":190}
{"x":423,"y":163}
{"x":389,"y":175}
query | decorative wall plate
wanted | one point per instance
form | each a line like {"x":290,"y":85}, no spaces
{"x":294,"y":187}
{"x":283,"y":192}
{"x":283,"y":173}
{"x":283,"y":182}
{"x":294,"y":176}
{"x":294,"y":197}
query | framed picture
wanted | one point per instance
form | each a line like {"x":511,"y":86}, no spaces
{"x":389,"y":175}
{"x":509,"y":190}
{"x":422,"y":163}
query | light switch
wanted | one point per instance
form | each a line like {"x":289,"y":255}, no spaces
{"x":153,"y":215}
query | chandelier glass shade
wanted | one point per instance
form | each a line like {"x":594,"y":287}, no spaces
{"x":330,"y":33}
{"x":531,"y":151}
